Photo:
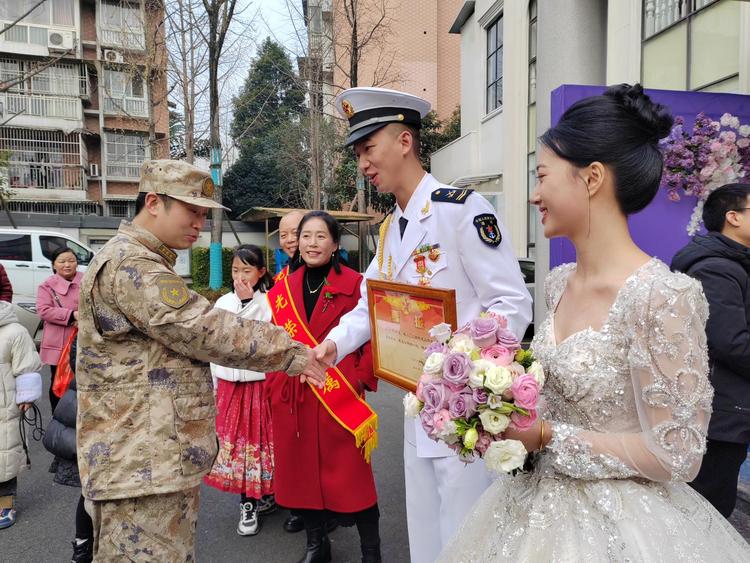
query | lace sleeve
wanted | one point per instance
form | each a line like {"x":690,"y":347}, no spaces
{"x":554,"y":284}
{"x":669,"y":369}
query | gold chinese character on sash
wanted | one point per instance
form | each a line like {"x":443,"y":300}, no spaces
{"x":330,"y":384}
{"x":291,"y":327}
{"x":281,"y":303}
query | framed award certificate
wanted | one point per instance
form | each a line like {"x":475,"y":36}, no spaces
{"x":401,"y":316}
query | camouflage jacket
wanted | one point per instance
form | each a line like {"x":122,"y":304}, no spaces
{"x":145,"y":400}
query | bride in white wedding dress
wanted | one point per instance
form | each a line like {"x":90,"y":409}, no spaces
{"x":624,"y":349}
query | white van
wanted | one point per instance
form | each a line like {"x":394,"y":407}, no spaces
{"x":27,"y":257}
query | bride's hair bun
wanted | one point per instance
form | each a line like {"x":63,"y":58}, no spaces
{"x":655,"y":119}
{"x":622,"y":129}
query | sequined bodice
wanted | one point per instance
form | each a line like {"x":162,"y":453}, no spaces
{"x":588,"y":373}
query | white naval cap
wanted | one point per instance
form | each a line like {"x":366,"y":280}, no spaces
{"x":369,"y":109}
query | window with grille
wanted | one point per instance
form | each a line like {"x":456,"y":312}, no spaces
{"x":48,"y":13}
{"x":121,"y":24}
{"x":495,"y":65}
{"x":125,"y":154}
{"x":124,"y":93}
{"x":42,"y":159}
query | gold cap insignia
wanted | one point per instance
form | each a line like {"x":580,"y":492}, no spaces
{"x":208,"y":188}
{"x":348,"y":109}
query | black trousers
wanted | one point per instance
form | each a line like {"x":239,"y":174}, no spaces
{"x":717,"y":478}
{"x":53,"y":399}
{"x":367,"y":522}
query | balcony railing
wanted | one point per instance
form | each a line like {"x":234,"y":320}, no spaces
{"x":39,"y":175}
{"x":133,"y":40}
{"x":660,"y":14}
{"x":39,"y":105}
{"x":124,"y":169}
{"x":133,"y":107}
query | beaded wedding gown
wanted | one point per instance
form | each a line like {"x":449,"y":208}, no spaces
{"x":629,"y":406}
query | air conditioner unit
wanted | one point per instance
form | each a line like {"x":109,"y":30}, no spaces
{"x":60,"y":40}
{"x":112,"y":56}
{"x":94,"y":170}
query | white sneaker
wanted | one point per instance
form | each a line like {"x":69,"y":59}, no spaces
{"x":249,"y":524}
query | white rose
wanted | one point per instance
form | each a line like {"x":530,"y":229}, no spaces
{"x":462,"y":343}
{"x":497,"y":379}
{"x":536,"y":370}
{"x":494,"y":401}
{"x":434,"y":363}
{"x":449,"y":433}
{"x":493,"y":422}
{"x":745,"y":131}
{"x":412,"y":405}
{"x":476,"y":377}
{"x":441,"y":333}
{"x":505,"y":456}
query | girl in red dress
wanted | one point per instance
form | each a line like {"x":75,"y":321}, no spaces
{"x":244,"y":464}
{"x":318,"y":467}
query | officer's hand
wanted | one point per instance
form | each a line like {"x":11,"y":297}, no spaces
{"x":326,"y":352}
{"x":314,"y":372}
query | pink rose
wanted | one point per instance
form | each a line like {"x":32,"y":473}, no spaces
{"x":440,"y":418}
{"x":498,"y":355}
{"x":508,"y":339}
{"x":483,"y":442}
{"x":435,"y":395}
{"x":521,"y":421}
{"x":428,"y":422}
{"x":502,"y":322}
{"x":420,"y":388}
{"x":483,"y":331}
{"x":525,"y":391}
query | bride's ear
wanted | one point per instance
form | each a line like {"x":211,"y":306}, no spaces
{"x":594,"y":175}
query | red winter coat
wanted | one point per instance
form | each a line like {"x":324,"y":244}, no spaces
{"x":316,"y":462}
{"x":6,"y":289}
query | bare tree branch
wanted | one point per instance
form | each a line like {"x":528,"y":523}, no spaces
{"x":34,"y":7}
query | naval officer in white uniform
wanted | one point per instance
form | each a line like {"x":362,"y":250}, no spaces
{"x":439,"y":236}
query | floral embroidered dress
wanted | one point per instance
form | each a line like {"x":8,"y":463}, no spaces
{"x":629,"y":406}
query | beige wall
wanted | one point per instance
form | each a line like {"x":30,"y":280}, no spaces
{"x":415,"y":53}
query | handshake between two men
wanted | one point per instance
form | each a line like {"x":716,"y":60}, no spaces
{"x":319,"y":359}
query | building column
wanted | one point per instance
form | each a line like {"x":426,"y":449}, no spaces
{"x":571,"y":49}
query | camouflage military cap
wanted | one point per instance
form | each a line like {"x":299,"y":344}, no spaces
{"x":179,"y":180}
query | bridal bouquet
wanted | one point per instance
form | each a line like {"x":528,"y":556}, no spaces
{"x":476,"y":383}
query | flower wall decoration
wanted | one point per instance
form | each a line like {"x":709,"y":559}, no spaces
{"x":701,"y":159}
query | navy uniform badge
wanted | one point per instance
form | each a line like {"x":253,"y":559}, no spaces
{"x":451,"y":195}
{"x":172,"y":290}
{"x":488,"y":230}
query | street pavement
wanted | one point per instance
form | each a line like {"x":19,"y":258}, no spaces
{"x":46,"y":510}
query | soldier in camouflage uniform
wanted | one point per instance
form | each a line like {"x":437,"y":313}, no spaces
{"x":146,"y":412}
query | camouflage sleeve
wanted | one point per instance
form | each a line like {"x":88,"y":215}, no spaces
{"x":158,"y":303}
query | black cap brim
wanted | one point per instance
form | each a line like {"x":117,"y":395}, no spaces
{"x":360,"y":134}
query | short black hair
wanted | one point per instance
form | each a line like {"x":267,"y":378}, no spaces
{"x":334,"y":229}
{"x":621,"y":129}
{"x":140,"y":201}
{"x":253,"y":256}
{"x":731,"y":197}
{"x":57,"y":252}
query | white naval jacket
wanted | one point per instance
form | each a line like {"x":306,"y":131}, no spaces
{"x":485,"y":277}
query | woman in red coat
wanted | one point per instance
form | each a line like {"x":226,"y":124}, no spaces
{"x":319,"y":464}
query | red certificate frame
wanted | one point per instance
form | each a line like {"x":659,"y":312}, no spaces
{"x":401,"y":316}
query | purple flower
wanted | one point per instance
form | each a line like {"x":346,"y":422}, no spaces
{"x":508,"y":339}
{"x":435,"y":396}
{"x":435,"y":347}
{"x":428,"y":422}
{"x":461,"y":405}
{"x":483,"y":331}
{"x":479,"y":396}
{"x":456,"y":368}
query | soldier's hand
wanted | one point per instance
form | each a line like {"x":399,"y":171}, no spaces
{"x":314,"y":371}
{"x":326,"y":352}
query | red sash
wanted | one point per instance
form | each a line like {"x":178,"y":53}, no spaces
{"x":338,"y":397}
{"x":283,"y":273}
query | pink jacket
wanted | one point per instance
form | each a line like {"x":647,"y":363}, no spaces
{"x":58,"y":321}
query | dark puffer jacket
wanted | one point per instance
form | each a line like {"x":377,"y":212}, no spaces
{"x":60,"y":437}
{"x":723,"y":267}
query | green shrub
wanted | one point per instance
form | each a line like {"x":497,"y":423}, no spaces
{"x":211,"y":294}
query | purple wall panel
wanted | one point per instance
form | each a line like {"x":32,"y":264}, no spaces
{"x":660,"y":228}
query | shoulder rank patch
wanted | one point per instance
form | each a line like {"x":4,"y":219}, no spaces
{"x":489,"y":232}
{"x":172,"y":290}
{"x":451,"y":195}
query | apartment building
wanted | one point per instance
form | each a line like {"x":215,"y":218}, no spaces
{"x":82,"y":104}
